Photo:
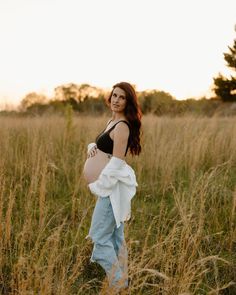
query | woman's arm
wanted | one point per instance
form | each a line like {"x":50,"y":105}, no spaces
{"x":120,"y":140}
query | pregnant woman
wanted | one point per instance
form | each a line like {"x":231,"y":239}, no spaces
{"x":111,"y":179}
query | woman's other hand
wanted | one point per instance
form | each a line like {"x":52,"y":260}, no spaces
{"x":92,"y":152}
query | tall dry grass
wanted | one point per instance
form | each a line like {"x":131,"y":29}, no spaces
{"x":182,"y":234}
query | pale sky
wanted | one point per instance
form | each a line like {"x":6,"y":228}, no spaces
{"x":171,"y":45}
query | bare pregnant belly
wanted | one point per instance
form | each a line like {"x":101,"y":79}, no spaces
{"x":94,"y":165}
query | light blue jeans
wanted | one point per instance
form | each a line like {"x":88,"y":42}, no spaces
{"x":109,"y":248}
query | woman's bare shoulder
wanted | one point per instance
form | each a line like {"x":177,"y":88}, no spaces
{"x":122,"y":128}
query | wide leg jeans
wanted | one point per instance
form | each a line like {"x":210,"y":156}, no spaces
{"x":109,"y":248}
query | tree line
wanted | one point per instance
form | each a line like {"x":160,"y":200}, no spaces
{"x":88,"y":99}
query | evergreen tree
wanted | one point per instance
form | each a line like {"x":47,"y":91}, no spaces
{"x":224,"y":87}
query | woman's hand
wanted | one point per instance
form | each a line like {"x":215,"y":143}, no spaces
{"x":92,"y":152}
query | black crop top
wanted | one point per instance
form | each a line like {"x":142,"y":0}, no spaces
{"x":104,"y":141}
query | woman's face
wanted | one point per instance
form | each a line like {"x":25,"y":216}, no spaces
{"x":118,"y":100}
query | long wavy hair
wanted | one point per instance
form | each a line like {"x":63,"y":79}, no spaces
{"x":133,"y":114}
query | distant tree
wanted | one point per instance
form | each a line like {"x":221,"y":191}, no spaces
{"x":67,"y":92}
{"x":154,"y":101}
{"x":76,"y":93}
{"x":31,"y":99}
{"x":224,"y":87}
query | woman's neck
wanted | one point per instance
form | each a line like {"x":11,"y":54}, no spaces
{"x":117,"y":117}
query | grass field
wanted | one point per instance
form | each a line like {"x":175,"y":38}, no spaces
{"x":182,"y":233}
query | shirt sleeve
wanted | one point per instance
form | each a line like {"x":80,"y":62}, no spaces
{"x":90,"y":146}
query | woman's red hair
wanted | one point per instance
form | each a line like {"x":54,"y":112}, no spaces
{"x":133,"y":114}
